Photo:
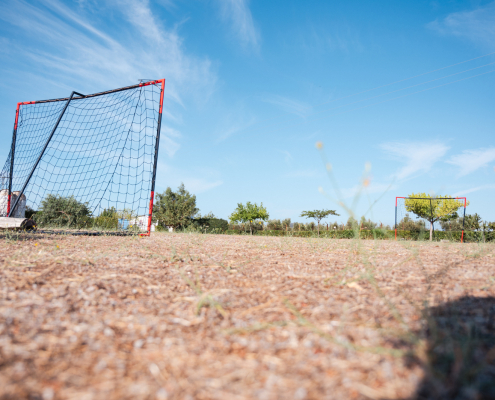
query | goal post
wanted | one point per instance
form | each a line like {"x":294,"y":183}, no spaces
{"x":97,"y":153}
{"x":413,"y":214}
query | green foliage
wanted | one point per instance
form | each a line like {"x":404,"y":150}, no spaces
{"x":472,"y":222}
{"x":108,"y":219}
{"x":409,"y":224}
{"x":318,"y":215}
{"x":297,"y":226}
{"x":56,"y":210}
{"x":210,"y":224}
{"x":274,"y":225}
{"x":352,"y":223}
{"x":249,"y":214}
{"x":366,"y":223}
{"x":285,"y":224}
{"x":175,"y":209}
{"x":218,"y":225}
{"x":433,"y":209}
{"x":109,"y":212}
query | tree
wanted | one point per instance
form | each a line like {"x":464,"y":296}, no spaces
{"x":108,"y":219}
{"x":63,"y":211}
{"x":248,"y":214}
{"x":408,"y":224}
{"x":175,"y":209}
{"x":433,"y":209}
{"x":318,"y":215}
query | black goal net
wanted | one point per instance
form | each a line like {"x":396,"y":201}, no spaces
{"x":86,"y":162}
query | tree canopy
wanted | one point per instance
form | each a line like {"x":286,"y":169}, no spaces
{"x":175,"y":209}
{"x":432,"y":209}
{"x":249,"y":213}
{"x":318,"y":215}
{"x":63,"y":211}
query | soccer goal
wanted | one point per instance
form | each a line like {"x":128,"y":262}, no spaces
{"x":420,"y":217}
{"x":86,"y":162}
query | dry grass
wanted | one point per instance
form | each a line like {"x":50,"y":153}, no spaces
{"x":187,"y":316}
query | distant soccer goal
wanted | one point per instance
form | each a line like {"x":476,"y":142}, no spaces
{"x":420,"y":217}
{"x":85,"y":161}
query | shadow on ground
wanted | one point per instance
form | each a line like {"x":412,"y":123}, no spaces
{"x":459,"y":356}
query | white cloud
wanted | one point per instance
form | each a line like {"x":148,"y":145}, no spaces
{"x":69,"y":46}
{"x":239,"y":15}
{"x":472,"y":190}
{"x":289,"y":105}
{"x":418,"y":157}
{"x":477,"y":25}
{"x":471,"y":160}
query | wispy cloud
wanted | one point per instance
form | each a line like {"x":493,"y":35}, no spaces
{"x":471,"y":160}
{"x":319,"y":37}
{"x":168,"y":140}
{"x":287,"y":156}
{"x":474,"y":189}
{"x":197,"y":185}
{"x":289,"y":105}
{"x":238,"y":14}
{"x":234,"y":123}
{"x":418,"y":157}
{"x":69,"y":46}
{"x":476,"y":25}
{"x":196,"y":182}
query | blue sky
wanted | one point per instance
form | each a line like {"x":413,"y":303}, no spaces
{"x":251,"y":86}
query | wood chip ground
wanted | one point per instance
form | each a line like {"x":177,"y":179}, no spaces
{"x":190,"y":316}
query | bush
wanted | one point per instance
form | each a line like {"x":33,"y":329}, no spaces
{"x":108,"y":219}
{"x":217,"y":225}
{"x":56,"y":210}
{"x":274,"y":225}
{"x":209,"y":224}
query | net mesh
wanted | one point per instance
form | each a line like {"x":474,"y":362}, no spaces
{"x":101,"y":154}
{"x":410,"y":223}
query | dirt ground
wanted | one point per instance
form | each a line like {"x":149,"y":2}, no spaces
{"x":190,"y":316}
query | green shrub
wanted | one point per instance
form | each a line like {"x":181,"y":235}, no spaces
{"x":106,"y":222}
{"x":217,"y":225}
{"x":108,"y":219}
{"x":59,"y":211}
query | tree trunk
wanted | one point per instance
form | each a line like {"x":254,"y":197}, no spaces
{"x":250,"y":229}
{"x":431,"y":231}
{"x":318,"y":228}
